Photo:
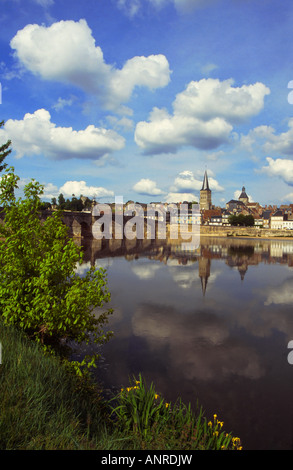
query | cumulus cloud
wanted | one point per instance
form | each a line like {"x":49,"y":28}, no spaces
{"x":81,"y":188}
{"x":187,"y":181}
{"x":280,"y":167}
{"x":69,"y":188}
{"x":282,"y":143}
{"x":147,"y":187}
{"x":237,"y":194}
{"x":180,"y":197}
{"x":288,"y":198}
{"x":203,"y":116}
{"x":125,"y":124}
{"x":187,"y":186}
{"x":271,"y":142}
{"x":66,"y":52}
{"x":50,"y":191}
{"x":35,"y":134}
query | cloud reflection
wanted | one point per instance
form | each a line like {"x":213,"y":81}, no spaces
{"x":199,"y":345}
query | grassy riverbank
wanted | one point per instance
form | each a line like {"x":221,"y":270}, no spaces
{"x":44,"y":406}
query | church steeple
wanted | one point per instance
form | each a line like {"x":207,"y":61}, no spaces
{"x":205,"y":194}
{"x":205,"y":184}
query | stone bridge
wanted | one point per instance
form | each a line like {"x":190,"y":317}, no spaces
{"x":80,"y":223}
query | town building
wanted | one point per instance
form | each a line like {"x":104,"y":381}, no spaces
{"x":277,"y":219}
{"x":235,"y":206}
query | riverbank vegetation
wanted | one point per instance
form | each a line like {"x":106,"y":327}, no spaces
{"x":45,"y":406}
{"x":48,"y":401}
{"x":40,"y":290}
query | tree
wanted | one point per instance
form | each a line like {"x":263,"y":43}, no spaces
{"x":4,"y":151}
{"x":250,"y":220}
{"x":61,"y":201}
{"x":40,"y":291}
{"x":242,"y":220}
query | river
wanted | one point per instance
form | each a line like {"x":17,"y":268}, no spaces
{"x":212,"y":325}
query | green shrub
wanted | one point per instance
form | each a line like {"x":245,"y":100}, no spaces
{"x":40,"y":291}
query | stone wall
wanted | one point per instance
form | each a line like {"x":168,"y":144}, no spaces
{"x":214,"y":230}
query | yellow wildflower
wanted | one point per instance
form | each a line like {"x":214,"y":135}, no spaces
{"x":210,"y":423}
{"x":156,"y":396}
{"x":167,"y":404}
{"x":215,"y":417}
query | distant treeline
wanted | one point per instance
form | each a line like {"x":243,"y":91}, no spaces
{"x":73,"y":204}
{"x":241,"y":219}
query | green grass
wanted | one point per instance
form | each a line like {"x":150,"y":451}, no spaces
{"x":45,"y":407}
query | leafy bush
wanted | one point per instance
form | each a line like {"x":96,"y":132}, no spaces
{"x":40,"y":291}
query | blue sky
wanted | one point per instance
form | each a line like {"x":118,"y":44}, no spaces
{"x":137,"y":98}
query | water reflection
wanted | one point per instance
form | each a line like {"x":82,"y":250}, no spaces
{"x":212,"y":324}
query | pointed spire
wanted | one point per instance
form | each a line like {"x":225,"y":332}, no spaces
{"x":205,"y":184}
{"x":204,"y":283}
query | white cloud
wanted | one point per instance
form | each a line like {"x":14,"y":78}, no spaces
{"x":282,"y":143}
{"x":208,"y":68}
{"x":81,"y":188}
{"x":147,"y":187}
{"x":288,"y":198}
{"x":279,"y":167}
{"x":266,"y":138}
{"x":62,"y":103}
{"x":66,"y":52}
{"x":50,"y":191}
{"x":186,"y":181}
{"x":125,"y":124}
{"x":77,"y":188}
{"x":44,"y":3}
{"x":237,"y":194}
{"x":132,"y":7}
{"x":186,"y":6}
{"x":36,"y":135}
{"x":210,"y":97}
{"x":203,"y":116}
{"x":180,"y":197}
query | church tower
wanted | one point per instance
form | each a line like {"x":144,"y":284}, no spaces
{"x":243,"y":196}
{"x":205,"y":201}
